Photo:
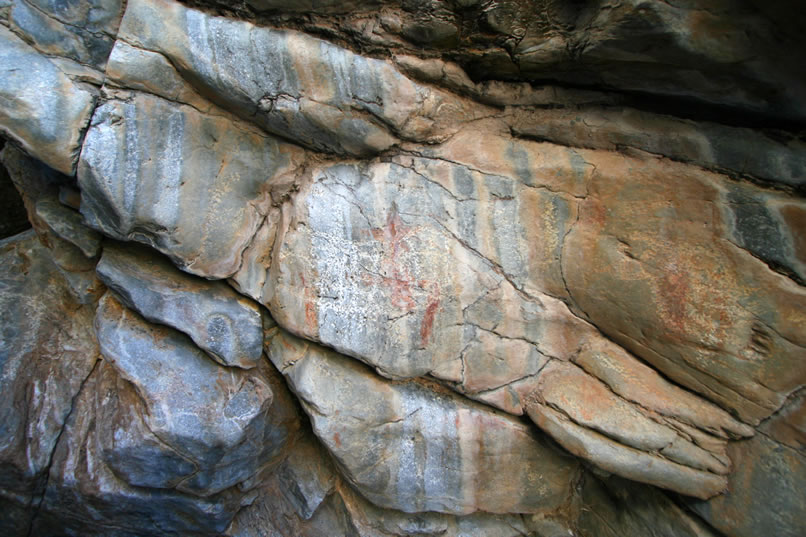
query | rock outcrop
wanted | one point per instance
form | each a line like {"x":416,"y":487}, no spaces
{"x":394,"y":268}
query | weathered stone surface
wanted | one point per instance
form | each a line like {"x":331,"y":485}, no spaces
{"x":82,"y":31}
{"x":214,"y":417}
{"x":85,"y":498}
{"x":407,"y":447}
{"x":41,"y":109}
{"x":695,"y":57}
{"x":706,"y":144}
{"x":292,"y":85}
{"x":47,"y":350}
{"x":400,"y":264}
{"x":428,"y":266}
{"x":69,"y":225}
{"x":678,"y":291}
{"x":228,"y":327}
{"x":150,"y":168}
{"x":774,"y":461}
{"x":38,"y":184}
{"x":615,"y":507}
{"x":584,"y":214}
{"x":284,"y":507}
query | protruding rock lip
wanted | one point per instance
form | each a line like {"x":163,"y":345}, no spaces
{"x":227,"y":326}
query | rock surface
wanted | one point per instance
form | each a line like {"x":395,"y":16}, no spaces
{"x":528,"y":267}
{"x":40,"y":107}
{"x":228,"y":327}
{"x":413,"y":449}
{"x":47,"y":350}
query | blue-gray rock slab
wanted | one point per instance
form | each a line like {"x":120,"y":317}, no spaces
{"x":47,"y":350}
{"x":82,"y":31}
{"x":406,"y":446}
{"x":41,"y":109}
{"x":214,"y":416}
{"x":192,"y":185}
{"x":291,"y":84}
{"x":224,"y":324}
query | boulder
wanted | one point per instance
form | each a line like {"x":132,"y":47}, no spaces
{"x":47,"y":350}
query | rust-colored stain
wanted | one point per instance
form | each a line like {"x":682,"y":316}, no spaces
{"x":674,"y":289}
{"x":397,"y":276}
{"x":428,"y":320}
{"x":795,"y":218}
{"x":310,"y":315}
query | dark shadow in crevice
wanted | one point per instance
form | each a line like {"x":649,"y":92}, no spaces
{"x":13,"y":217}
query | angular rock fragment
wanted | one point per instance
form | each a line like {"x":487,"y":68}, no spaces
{"x":407,"y":447}
{"x":40,"y":107}
{"x":228,"y":327}
{"x":194,"y":186}
{"x":84,"y":496}
{"x":214,"y":418}
{"x":59,"y":228}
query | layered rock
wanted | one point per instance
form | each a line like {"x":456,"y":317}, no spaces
{"x":150,"y":167}
{"x":47,"y":350}
{"x":42,"y":109}
{"x":413,"y":449}
{"x":228,"y":327}
{"x":505,"y":306}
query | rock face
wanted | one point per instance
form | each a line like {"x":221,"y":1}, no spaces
{"x":396,"y":268}
{"x":405,"y":447}
{"x":228,"y":328}
{"x":43,"y":110}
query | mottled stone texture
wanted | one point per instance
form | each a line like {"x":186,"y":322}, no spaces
{"x":402,"y":267}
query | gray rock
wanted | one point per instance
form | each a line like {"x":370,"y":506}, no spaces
{"x":81,"y":31}
{"x":41,"y":109}
{"x":47,"y":350}
{"x":407,"y":447}
{"x":214,"y":417}
{"x":194,"y":186}
{"x":767,"y":492}
{"x":85,"y":498}
{"x":228,"y":327}
{"x":69,"y":225}
{"x":769,"y":225}
{"x":615,"y":507}
{"x":706,"y":144}
{"x":39,"y":185}
{"x":293,"y":85}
